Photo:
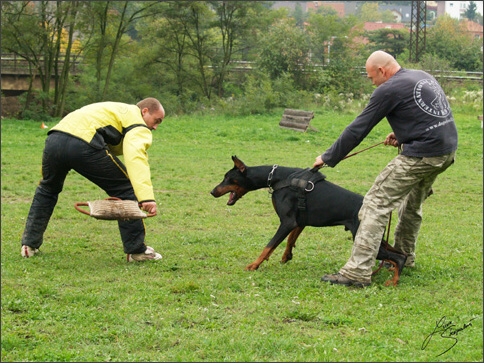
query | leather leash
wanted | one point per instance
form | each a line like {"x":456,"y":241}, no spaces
{"x":316,"y":168}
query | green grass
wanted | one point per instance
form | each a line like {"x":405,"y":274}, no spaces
{"x":80,"y":301}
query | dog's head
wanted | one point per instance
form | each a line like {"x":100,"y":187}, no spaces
{"x":235,"y":182}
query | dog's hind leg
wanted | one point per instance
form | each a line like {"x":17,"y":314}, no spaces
{"x":291,"y":243}
{"x":395,"y":258}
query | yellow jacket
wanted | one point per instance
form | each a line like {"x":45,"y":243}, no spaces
{"x":120,"y":128}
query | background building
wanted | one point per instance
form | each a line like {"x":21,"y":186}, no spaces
{"x":402,"y":13}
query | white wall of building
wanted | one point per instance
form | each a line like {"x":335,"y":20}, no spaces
{"x":456,"y":8}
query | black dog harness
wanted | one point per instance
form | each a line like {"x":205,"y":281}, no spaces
{"x":302,"y":182}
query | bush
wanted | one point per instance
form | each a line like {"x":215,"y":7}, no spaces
{"x":263,"y":95}
{"x":342,"y":76}
{"x":37,"y":108}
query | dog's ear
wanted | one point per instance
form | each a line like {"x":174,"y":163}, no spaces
{"x":239,"y":164}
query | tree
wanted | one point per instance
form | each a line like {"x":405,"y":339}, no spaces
{"x":471,"y":11}
{"x":369,"y":12}
{"x":111,"y":20}
{"x":449,"y":40}
{"x":165,"y":48}
{"x":299,"y":15}
{"x":235,"y":19}
{"x":284,"y":49}
{"x":202,"y":43}
{"x":393,"y":41}
{"x":177,"y":48}
{"x":324,"y":28}
{"x":325,"y":10}
{"x":70,"y":48}
{"x":36,"y":32}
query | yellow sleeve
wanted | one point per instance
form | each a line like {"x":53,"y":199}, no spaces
{"x":135,"y":145}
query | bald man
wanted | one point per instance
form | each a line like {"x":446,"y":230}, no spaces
{"x":423,"y":128}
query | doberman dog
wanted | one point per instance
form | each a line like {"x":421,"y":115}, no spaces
{"x":301,"y":197}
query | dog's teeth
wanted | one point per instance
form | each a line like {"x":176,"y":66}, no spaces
{"x":232,"y":197}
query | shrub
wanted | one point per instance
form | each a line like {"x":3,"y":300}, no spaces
{"x":342,"y":76}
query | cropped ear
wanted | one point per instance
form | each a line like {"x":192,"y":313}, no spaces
{"x":239,"y":164}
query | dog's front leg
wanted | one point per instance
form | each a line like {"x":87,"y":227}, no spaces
{"x":264,"y":256}
{"x":280,"y":236}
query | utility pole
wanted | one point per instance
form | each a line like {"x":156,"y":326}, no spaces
{"x":418,"y":29}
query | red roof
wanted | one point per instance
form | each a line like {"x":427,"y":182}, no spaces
{"x":473,"y":27}
{"x":369,"y":26}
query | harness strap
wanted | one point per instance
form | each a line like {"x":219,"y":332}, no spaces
{"x":303,"y":181}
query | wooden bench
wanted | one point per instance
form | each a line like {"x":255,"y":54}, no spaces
{"x":297,"y":120}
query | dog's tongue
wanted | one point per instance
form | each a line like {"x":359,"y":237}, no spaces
{"x":231,"y":198}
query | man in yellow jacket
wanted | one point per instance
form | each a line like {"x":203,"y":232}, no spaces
{"x":88,"y":141}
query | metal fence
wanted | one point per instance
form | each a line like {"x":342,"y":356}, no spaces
{"x":14,"y":64}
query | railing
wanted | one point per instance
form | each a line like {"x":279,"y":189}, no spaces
{"x":13,"y":64}
{"x":244,"y":66}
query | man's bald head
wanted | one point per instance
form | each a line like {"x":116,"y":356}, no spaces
{"x":381,"y":66}
{"x":381,"y":59}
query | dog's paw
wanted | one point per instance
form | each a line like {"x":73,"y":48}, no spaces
{"x":252,"y":267}
{"x":286,"y":258}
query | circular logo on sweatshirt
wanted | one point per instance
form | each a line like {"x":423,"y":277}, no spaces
{"x":431,"y":99}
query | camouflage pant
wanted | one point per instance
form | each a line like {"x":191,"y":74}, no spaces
{"x":405,"y":183}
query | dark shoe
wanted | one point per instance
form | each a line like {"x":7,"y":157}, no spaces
{"x":341,"y":280}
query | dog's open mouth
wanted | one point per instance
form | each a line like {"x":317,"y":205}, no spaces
{"x":232,"y":198}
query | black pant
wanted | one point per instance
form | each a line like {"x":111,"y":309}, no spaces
{"x":62,"y":153}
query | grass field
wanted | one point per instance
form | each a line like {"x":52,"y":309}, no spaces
{"x":80,"y":301}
